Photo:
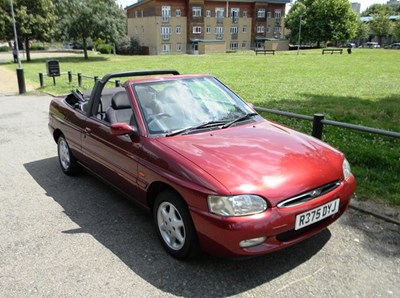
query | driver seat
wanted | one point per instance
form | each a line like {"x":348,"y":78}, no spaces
{"x":120,"y":110}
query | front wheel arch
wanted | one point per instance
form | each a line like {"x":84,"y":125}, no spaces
{"x":174,"y":225}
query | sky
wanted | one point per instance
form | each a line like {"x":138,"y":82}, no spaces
{"x":364,"y":3}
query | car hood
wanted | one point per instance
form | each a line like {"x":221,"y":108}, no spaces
{"x":263,"y":158}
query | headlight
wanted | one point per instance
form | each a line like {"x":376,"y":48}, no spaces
{"x":239,"y":205}
{"x":346,"y":169}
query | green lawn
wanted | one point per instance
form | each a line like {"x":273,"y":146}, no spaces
{"x":361,"y":88}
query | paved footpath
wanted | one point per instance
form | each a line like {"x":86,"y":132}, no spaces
{"x":9,"y":82}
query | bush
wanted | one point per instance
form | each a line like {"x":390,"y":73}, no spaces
{"x":104,"y":48}
{"x":129,"y":46}
{"x":4,"y":49}
{"x":37,"y":47}
{"x":77,"y":44}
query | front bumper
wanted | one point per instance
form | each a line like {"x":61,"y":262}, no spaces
{"x":222,"y":235}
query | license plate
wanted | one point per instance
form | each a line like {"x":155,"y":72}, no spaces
{"x":309,"y":217}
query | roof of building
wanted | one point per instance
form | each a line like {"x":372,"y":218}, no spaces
{"x":249,"y":1}
{"x":369,"y":19}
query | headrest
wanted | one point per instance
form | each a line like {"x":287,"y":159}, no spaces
{"x":169,"y":94}
{"x":120,"y":101}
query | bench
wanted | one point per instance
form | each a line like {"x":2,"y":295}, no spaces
{"x":264,"y":51}
{"x":332,"y":51}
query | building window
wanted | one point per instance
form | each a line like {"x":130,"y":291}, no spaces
{"x":219,"y":32}
{"x":235,"y":15}
{"x":234,"y":45}
{"x":166,"y":47}
{"x":178,"y":13}
{"x":208,"y":13}
{"x":196,"y":11}
{"x":277,"y":30}
{"x":244,"y":45}
{"x":278,"y":13}
{"x":260,"y":29}
{"x":245,"y":13}
{"x":179,"y":47}
{"x":165,"y":33}
{"x":178,"y":29}
{"x":165,"y":13}
{"x":261,"y":13}
{"x":208,"y":29}
{"x":269,"y":15}
{"x":196,"y":30}
{"x":219,"y":14}
{"x":244,"y":29}
{"x":234,"y":30}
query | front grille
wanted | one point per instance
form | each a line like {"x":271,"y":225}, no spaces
{"x":309,"y":195}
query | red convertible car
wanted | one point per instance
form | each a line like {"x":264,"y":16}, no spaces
{"x":215,"y":175}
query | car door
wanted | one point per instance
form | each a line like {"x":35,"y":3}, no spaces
{"x":114,"y":158}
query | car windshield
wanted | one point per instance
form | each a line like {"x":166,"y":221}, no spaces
{"x":187,"y":105}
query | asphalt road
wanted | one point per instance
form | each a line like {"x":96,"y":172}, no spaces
{"x":70,"y":237}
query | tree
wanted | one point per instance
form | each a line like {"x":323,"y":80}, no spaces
{"x":35,"y":19}
{"x":376,"y":9}
{"x":392,"y":9}
{"x":396,"y":31}
{"x":84,"y":19}
{"x":322,"y":20}
{"x":362,"y":32}
{"x":381,"y":24}
{"x":5,"y":19}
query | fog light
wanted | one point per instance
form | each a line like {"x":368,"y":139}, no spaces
{"x":252,"y":242}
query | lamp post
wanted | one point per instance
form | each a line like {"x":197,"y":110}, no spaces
{"x":298,"y":45}
{"x":20,"y":71}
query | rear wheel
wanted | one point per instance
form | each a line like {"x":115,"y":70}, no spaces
{"x":174,"y":226}
{"x":67,"y":161}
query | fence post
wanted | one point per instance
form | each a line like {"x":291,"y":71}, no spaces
{"x":79,"y":79}
{"x":70,"y":77}
{"x":318,"y":126}
{"x":41,"y":80}
{"x":117,"y":83}
{"x":95,"y":79}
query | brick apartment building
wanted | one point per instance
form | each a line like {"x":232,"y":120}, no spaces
{"x":203,"y":26}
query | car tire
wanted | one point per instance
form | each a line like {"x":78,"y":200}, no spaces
{"x":175,"y":226}
{"x":67,"y":161}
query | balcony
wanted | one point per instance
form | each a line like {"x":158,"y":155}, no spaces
{"x":165,"y":36}
{"x":234,"y":36}
{"x":219,"y":36}
{"x":165,"y":19}
{"x":235,"y":20}
{"x":220,"y":20}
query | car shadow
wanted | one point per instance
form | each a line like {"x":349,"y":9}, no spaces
{"x":128,"y":232}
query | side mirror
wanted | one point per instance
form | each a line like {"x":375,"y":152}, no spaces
{"x":119,"y":129}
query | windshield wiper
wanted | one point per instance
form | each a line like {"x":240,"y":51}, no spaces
{"x":242,"y":118}
{"x":195,"y":127}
